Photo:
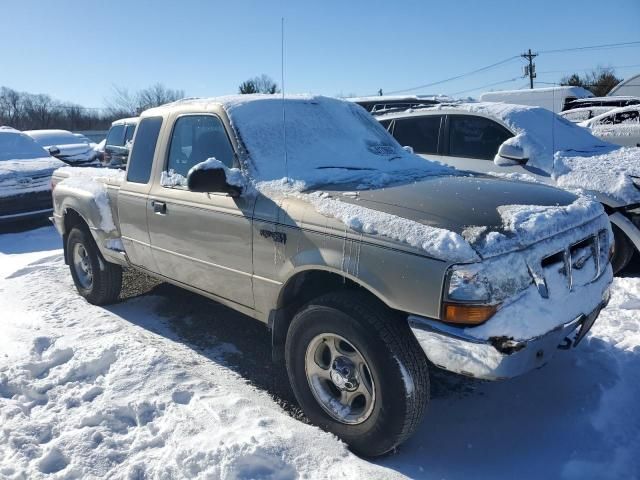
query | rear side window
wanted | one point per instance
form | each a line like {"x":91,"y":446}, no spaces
{"x":141,"y":158}
{"x":421,"y":133}
{"x":131,"y":129}
{"x":116,"y":136}
{"x":475,"y":137}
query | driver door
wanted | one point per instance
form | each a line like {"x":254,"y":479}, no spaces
{"x":201,"y":239}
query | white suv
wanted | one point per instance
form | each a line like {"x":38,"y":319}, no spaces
{"x":530,"y":143}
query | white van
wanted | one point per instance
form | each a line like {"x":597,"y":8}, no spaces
{"x":552,"y":98}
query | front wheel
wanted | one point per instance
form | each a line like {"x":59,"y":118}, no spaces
{"x":96,"y":279}
{"x":357,"y":371}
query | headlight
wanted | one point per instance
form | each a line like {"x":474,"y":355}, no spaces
{"x":467,"y":297}
{"x":467,"y":284}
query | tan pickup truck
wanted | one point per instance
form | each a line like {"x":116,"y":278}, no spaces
{"x":369,"y":264}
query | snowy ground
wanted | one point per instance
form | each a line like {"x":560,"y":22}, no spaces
{"x":166,"y":384}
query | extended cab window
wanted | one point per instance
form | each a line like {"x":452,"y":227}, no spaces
{"x":421,"y":133}
{"x":475,"y":137}
{"x":116,"y":136}
{"x":131,"y":129}
{"x":141,"y":158}
{"x":197,"y":138}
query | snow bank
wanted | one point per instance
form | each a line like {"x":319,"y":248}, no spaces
{"x":87,"y":392}
{"x":91,"y":181}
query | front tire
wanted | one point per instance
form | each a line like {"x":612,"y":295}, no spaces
{"x":96,"y":279}
{"x":357,"y":371}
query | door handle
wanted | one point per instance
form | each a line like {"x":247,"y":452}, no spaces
{"x":159,"y":207}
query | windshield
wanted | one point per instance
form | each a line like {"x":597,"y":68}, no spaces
{"x":46,"y":138}
{"x":17,"y":146}
{"x":327,"y":141}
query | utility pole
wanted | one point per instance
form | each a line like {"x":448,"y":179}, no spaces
{"x":530,"y":69}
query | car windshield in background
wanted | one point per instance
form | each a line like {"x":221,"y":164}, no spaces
{"x":327,"y":141}
{"x":16,"y":146}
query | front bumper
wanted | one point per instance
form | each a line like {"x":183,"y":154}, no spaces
{"x":497,"y":358}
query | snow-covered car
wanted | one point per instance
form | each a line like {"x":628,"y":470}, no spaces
{"x":118,"y":142}
{"x":65,"y":146}
{"x":534,"y":144}
{"x":613,"y":101}
{"x":365,"y":260}
{"x":577,"y":115}
{"x":620,"y":126}
{"x":25,"y":177}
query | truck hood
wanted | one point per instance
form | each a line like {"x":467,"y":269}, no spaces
{"x":456,"y":203}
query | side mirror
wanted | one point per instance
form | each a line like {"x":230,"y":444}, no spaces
{"x":53,"y":151}
{"x":408,"y":148}
{"x":211,"y":180}
{"x":512,"y":152}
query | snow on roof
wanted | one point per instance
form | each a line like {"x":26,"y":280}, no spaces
{"x":125,"y":121}
{"x":397,"y":98}
{"x":528,"y":92}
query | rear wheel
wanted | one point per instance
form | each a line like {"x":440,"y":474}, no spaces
{"x":623,"y":250}
{"x":357,"y":371}
{"x":96,"y":279}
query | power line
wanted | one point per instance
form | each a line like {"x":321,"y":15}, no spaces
{"x":507,"y":60}
{"x":486,"y":86}
{"x":593,"y":47}
{"x":472,"y":72}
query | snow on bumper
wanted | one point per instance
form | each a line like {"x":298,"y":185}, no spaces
{"x":468,"y":352}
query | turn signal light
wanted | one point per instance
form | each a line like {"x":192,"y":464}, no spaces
{"x":468,"y":314}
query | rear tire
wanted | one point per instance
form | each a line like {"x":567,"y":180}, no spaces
{"x":623,"y":250}
{"x":96,"y":279}
{"x":394,"y":371}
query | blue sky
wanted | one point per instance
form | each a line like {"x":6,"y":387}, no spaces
{"x":77,"y":50}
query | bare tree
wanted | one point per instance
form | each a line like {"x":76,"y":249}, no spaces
{"x":262,"y":84}
{"x":157,"y":95}
{"x":599,"y":81}
{"x":124,"y":103}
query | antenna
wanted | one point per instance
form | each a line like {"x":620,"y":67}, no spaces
{"x":284,"y":110}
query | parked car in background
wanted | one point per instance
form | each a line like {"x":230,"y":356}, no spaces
{"x":552,"y":98}
{"x":117,"y":145}
{"x":530,"y":143}
{"x":369,"y":264}
{"x":620,"y":126}
{"x":25,"y":177}
{"x":577,"y":115}
{"x":616,"y":101}
{"x":387,"y":102}
{"x":64,"y":145}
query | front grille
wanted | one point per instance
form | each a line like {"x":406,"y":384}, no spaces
{"x":26,"y":202}
{"x":581,"y":263}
